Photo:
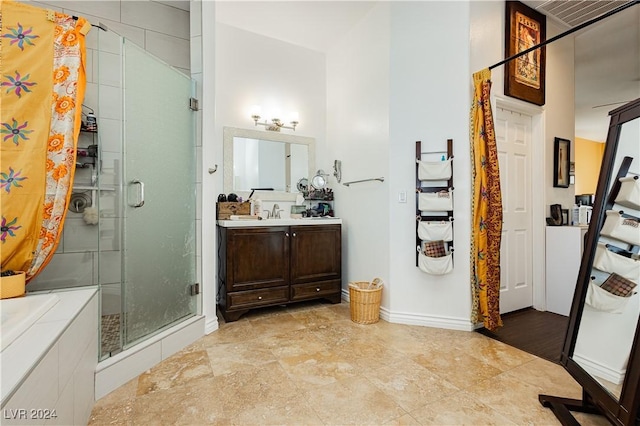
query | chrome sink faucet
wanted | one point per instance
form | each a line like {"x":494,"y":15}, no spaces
{"x":275,"y":212}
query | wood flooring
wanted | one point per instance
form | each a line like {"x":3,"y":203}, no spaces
{"x":536,"y":332}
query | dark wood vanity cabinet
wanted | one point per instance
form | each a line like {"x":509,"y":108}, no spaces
{"x":275,"y":265}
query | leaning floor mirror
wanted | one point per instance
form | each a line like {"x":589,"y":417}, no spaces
{"x":601,"y":348}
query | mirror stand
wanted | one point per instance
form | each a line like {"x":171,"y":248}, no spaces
{"x":562,"y":407}
{"x":601,"y":349}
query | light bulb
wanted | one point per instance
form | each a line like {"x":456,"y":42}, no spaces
{"x":256,"y":110}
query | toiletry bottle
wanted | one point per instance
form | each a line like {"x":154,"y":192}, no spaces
{"x":257,"y":207}
{"x":575,"y":212}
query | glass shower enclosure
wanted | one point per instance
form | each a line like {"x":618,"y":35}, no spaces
{"x":139,"y":171}
{"x":154,"y":172}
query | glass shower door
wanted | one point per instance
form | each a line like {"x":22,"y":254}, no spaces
{"x":159,"y":257}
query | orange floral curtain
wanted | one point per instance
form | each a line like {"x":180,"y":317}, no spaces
{"x":486,"y":208}
{"x":42,"y":82}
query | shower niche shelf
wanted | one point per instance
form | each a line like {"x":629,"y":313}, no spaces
{"x":87,"y":156}
{"x":92,"y":188}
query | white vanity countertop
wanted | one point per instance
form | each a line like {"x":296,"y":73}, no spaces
{"x":246,"y":223}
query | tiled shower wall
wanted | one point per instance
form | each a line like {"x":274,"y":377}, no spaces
{"x":162,"y":30}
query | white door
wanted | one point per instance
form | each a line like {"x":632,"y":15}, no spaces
{"x":513,"y":136}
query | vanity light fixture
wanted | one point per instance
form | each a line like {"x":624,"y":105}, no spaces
{"x":276,"y":124}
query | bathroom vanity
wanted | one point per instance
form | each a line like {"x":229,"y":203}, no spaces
{"x":277,"y":262}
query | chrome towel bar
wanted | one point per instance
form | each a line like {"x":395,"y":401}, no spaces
{"x":381,"y":179}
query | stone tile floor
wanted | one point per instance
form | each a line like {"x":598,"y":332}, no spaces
{"x":309,"y":364}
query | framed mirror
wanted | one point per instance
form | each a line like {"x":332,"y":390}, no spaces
{"x":601,"y":348}
{"x":262,"y":159}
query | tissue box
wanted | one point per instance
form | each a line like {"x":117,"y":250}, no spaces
{"x":225,"y":209}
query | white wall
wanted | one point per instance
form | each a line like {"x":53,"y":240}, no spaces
{"x":389,"y":85}
{"x":256,"y":70}
{"x":358,"y":135}
{"x":560,"y":116}
{"x":430,"y":98}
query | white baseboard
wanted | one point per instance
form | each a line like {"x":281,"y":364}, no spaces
{"x":449,"y":323}
{"x":211,"y":325}
{"x":600,"y":370}
{"x":119,"y":369}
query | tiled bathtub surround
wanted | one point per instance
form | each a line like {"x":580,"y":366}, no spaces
{"x":310,"y":364}
{"x":48,"y":372}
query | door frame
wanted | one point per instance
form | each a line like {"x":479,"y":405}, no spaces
{"x":538,"y":194}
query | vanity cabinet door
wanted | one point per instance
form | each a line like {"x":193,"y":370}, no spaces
{"x":257,"y":258}
{"x":316,"y":253}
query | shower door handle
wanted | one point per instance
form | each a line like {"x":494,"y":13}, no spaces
{"x":140,"y":202}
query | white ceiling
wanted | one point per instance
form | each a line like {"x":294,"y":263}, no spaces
{"x":607,"y":54}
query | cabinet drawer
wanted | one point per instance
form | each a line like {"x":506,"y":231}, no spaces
{"x":314,"y":290}
{"x":253,"y":298}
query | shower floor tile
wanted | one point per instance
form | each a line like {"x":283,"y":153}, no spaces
{"x":110,"y":334}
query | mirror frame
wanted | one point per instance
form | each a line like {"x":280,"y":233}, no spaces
{"x":626,"y":409}
{"x":230,"y":132}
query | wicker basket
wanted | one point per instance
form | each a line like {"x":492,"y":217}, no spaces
{"x":364,"y":301}
{"x":12,"y":285}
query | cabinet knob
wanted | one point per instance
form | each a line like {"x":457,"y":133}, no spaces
{"x":317,"y":288}
{"x":294,"y":234}
{"x":286,"y":234}
{"x":259,"y":297}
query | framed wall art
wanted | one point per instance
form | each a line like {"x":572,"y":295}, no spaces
{"x":524,"y":77}
{"x":561,"y":154}
{"x":572,"y":173}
